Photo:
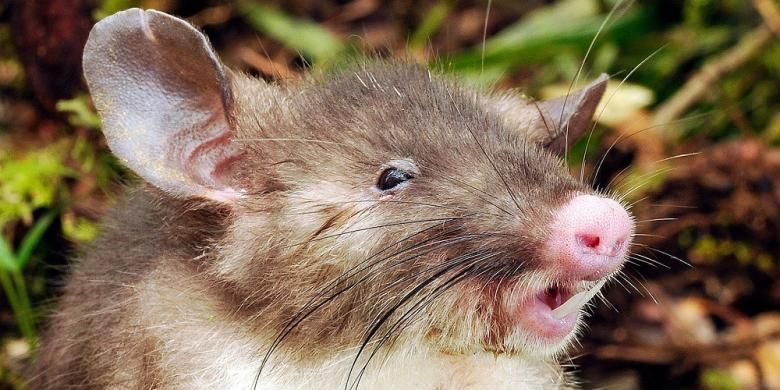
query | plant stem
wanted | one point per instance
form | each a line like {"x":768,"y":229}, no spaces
{"x":25,"y":319}
{"x":16,"y":306}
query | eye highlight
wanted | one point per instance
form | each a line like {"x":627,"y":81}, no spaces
{"x":392,"y":178}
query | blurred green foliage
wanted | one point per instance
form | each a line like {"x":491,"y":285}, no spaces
{"x":79,"y":112}
{"x":718,"y":380}
{"x":12,"y":266}
{"x":30,"y":181}
{"x":541,"y":37}
{"x":309,"y":39}
{"x":110,"y":7}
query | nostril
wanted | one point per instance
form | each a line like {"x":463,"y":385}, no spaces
{"x":590,"y":236}
{"x":591,"y":241}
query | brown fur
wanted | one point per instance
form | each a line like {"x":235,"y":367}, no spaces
{"x":168,"y":271}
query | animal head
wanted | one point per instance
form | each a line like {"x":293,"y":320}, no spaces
{"x":375,"y":203}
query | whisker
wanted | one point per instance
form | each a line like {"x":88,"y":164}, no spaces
{"x":305,"y":312}
{"x":609,"y":185}
{"x":479,"y":191}
{"x":670,"y":256}
{"x":576,"y":79}
{"x":455,"y":240}
{"x":625,"y":279}
{"x":417,"y":204}
{"x":418,"y":306}
{"x":487,"y":156}
{"x":618,"y":280}
{"x":399,"y":223}
{"x":407,"y":317}
{"x":408,"y":296}
{"x":644,"y":182}
{"x":647,"y":235}
{"x":656,"y":220}
{"x":484,"y":37}
{"x":640,"y":283}
{"x":598,"y":167}
{"x":631,"y":205}
{"x":648,"y":260}
{"x":604,"y":301}
{"x":670,"y":205}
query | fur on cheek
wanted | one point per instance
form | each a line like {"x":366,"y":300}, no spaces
{"x":325,"y":224}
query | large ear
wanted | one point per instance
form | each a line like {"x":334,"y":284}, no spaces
{"x":567,"y":118}
{"x":165,"y":100}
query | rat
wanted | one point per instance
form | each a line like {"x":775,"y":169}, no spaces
{"x":378,"y":226}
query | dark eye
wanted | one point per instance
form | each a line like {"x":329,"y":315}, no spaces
{"x":392,"y":178}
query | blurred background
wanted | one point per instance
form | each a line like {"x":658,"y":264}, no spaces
{"x":689,"y":138}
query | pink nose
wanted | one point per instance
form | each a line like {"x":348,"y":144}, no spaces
{"x":590,"y":237}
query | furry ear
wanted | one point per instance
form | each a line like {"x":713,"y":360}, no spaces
{"x":567,"y":118}
{"x":547,"y":122}
{"x":165,"y":100}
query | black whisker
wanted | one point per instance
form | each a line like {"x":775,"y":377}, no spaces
{"x":479,"y":191}
{"x":305,"y":313}
{"x":487,"y":156}
{"x":406,"y":318}
{"x":443,"y":269}
{"x":399,"y":223}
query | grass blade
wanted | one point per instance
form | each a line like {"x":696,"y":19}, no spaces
{"x":33,"y":237}
{"x":7,"y":261}
{"x":308,"y":38}
{"x":538,"y":38}
{"x":432,"y":22}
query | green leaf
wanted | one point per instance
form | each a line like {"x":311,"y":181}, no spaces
{"x":623,"y":100}
{"x":713,"y":379}
{"x":110,"y":7}
{"x":307,"y":37}
{"x":78,"y":229}
{"x":33,"y":237}
{"x":436,"y":15}
{"x":6,"y":256}
{"x":30,"y":180}
{"x":81,"y":113}
{"x":541,"y":36}
{"x":545,"y":23}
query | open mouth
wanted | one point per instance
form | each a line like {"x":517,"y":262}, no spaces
{"x":554,"y":297}
{"x":552,"y":313}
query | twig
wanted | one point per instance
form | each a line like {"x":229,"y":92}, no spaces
{"x":770,"y":14}
{"x":700,"y":83}
{"x":213,"y":15}
{"x":720,"y":351}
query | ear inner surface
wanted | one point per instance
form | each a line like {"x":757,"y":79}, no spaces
{"x":165,"y":100}
{"x":569,"y":117}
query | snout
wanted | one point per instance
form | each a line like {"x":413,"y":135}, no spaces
{"x":589,"y":237}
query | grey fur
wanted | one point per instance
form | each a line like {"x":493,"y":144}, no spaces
{"x":309,"y":217}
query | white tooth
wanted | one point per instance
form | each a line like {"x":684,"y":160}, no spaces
{"x":577,"y":301}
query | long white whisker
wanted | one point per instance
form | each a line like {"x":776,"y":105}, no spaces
{"x":484,"y":37}
{"x":577,"y":78}
{"x":670,"y":256}
{"x":609,"y":99}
